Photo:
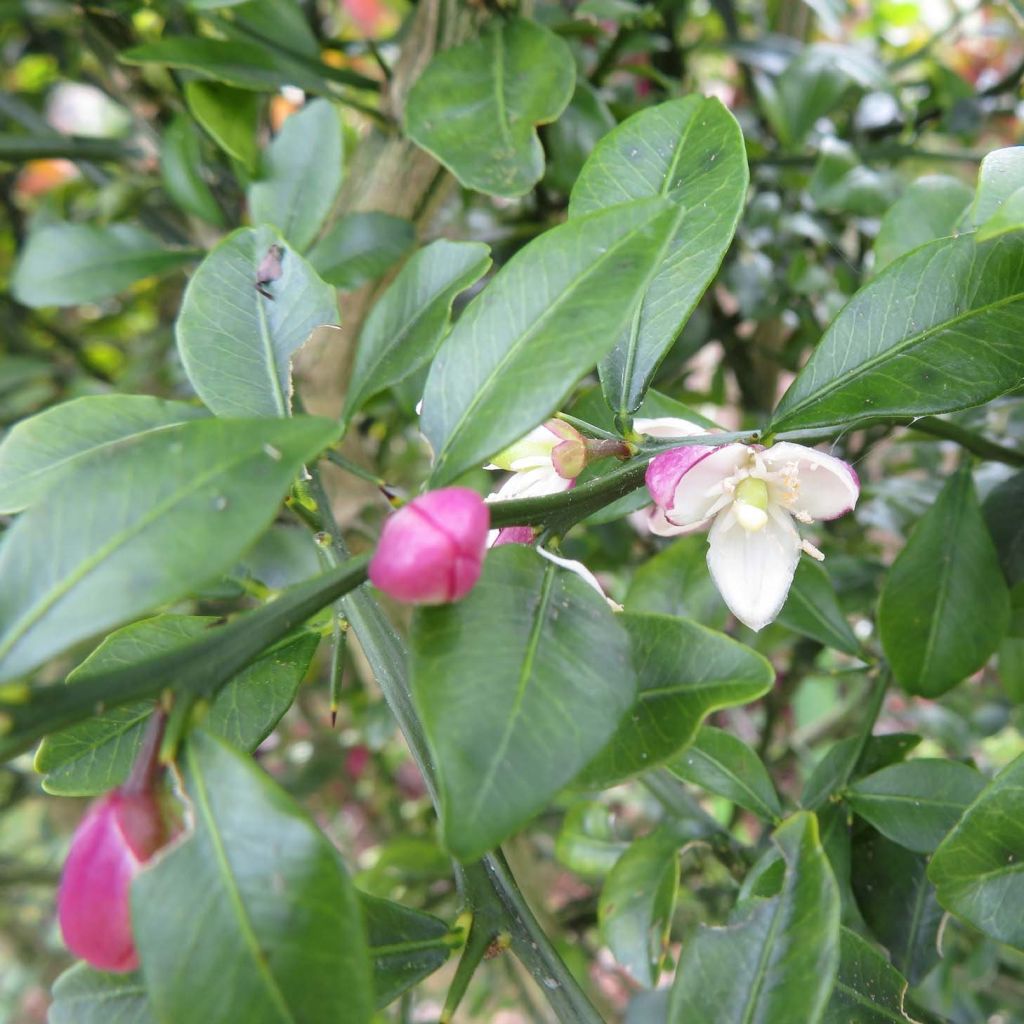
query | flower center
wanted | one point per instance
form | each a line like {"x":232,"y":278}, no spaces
{"x":750,"y":503}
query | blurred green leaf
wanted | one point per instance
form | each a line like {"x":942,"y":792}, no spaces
{"x":571,"y":139}
{"x":813,"y":610}
{"x":360,"y":248}
{"x":1002,"y":517}
{"x":868,"y":990}
{"x":1000,"y":175}
{"x":229,"y":116}
{"x":181,"y":169}
{"x":82,"y":995}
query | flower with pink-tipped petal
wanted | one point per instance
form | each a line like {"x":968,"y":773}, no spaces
{"x":431,"y":550}
{"x":118,"y":834}
{"x":749,"y":497}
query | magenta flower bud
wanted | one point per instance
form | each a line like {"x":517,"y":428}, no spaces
{"x":118,"y":834}
{"x":514,"y":535}
{"x":432,"y":549}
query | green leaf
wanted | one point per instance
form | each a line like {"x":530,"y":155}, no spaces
{"x":1000,"y":175}
{"x":813,"y":610}
{"x":690,"y":151}
{"x":840,"y":183}
{"x":586,"y":843}
{"x":82,"y":995}
{"x":898,"y":903}
{"x":1002,"y":516}
{"x":1009,"y":217}
{"x":236,"y":343}
{"x":549,"y":315}
{"x":475,"y":107}
{"x":977,"y":871}
{"x":936,"y":331}
{"x":571,"y":139}
{"x":916,"y":803}
{"x":173,"y":510}
{"x":67,"y":264}
{"x":301,"y":174}
{"x":280,"y":935}
{"x":868,"y":990}
{"x":229,"y":116}
{"x":944,"y":606}
{"x":684,"y":672}
{"x":1011,"y":649}
{"x":405,"y":946}
{"x":97,"y":755}
{"x":200,"y":668}
{"x":637,"y":899}
{"x":409,"y":320}
{"x":834,"y":770}
{"x":361,"y":247}
{"x":181,"y":168}
{"x":723,"y":764}
{"x":931,"y":207}
{"x":518,"y":687}
{"x":777,"y":960}
{"x":41,"y":450}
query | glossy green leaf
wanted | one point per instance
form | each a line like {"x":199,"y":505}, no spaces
{"x":361,"y":247}
{"x":229,"y":116}
{"x":636,"y":904}
{"x":778,"y":958}
{"x":1006,"y":525}
{"x":684,"y":672}
{"x":405,"y":946}
{"x":868,"y":990}
{"x":945,"y":605}
{"x":813,"y":610}
{"x":723,"y":764}
{"x":236,"y":343}
{"x":549,"y":315}
{"x":174,"y":509}
{"x":1009,"y":217}
{"x":476,"y":106}
{"x":571,"y":139}
{"x":82,"y":995}
{"x":936,"y":331}
{"x":97,"y":755}
{"x":280,"y":936}
{"x":690,"y":151}
{"x":841,"y":762}
{"x":181,"y":169}
{"x":41,"y":450}
{"x":977,"y":871}
{"x":1000,"y":175}
{"x":199,"y":668}
{"x":67,"y":264}
{"x":301,"y":174}
{"x":518,"y":687}
{"x":898,"y":903}
{"x":931,"y":207}
{"x":916,"y":803}
{"x":409,"y":320}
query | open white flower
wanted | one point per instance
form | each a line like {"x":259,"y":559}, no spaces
{"x":749,"y":497}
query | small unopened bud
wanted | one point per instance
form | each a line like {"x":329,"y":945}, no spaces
{"x":432,"y":549}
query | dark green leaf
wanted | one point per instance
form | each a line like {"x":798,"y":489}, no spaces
{"x":812,"y":609}
{"x":636,"y":904}
{"x":361,"y":247}
{"x":684,"y":672}
{"x":82,"y":995}
{"x":944,"y":606}
{"x":835,"y":769}
{"x":409,"y":320}
{"x":868,"y":990}
{"x":280,"y":935}
{"x":916,"y":803}
{"x":518,"y":687}
{"x":1002,"y":510}
{"x":977,"y":871}
{"x":40,"y":451}
{"x":571,"y":139}
{"x":301,"y":174}
{"x":690,"y":151}
{"x":476,"y":106}
{"x":723,"y":764}
{"x":236,"y":343}
{"x":229,"y":116}
{"x":550,"y":313}
{"x":174,"y":509}
{"x":777,"y":960}
{"x":1011,"y":649}
{"x":181,"y":168}
{"x":67,"y":264}
{"x":930,"y":208}
{"x":936,"y":331}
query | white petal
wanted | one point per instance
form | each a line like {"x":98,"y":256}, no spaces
{"x":753,"y":570}
{"x":580,"y":570}
{"x":658,"y":524}
{"x":827,"y":487}
{"x":668,"y":426}
{"x":532,"y":484}
{"x":699,"y":488}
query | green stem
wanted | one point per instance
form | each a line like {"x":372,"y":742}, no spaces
{"x":587,"y":428}
{"x":339,"y":460}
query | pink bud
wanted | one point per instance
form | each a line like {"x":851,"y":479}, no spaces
{"x":432,"y":549}
{"x":118,"y":834}
{"x":514,"y":535}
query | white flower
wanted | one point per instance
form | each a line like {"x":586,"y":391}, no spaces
{"x":749,"y":497}
{"x":546,"y":461}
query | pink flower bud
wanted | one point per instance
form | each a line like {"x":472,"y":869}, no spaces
{"x":432,"y":549}
{"x":118,"y":834}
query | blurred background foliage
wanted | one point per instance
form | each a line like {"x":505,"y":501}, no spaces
{"x":864,"y":122}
